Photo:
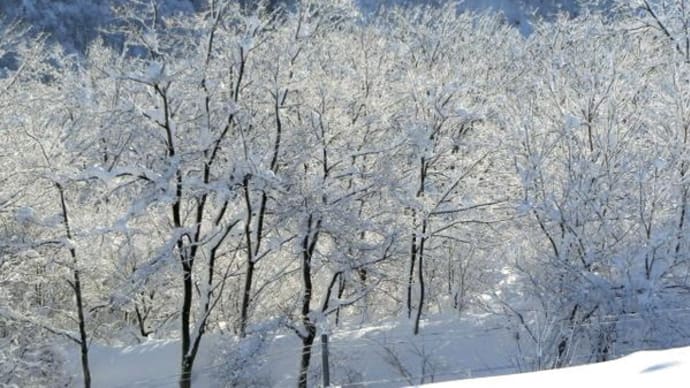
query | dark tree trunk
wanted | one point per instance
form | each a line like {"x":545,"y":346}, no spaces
{"x":420,"y":274}
{"x":308,"y":246}
{"x":416,"y":250}
{"x":684,"y":196}
{"x":76,"y":287}
{"x":186,"y":372}
{"x":307,"y":344}
{"x":253,"y":247}
{"x":249,"y":276}
{"x":186,"y":255}
{"x":341,"y":290}
{"x":410,"y":276}
{"x":187,"y":361}
{"x":83,"y":344}
{"x":246,"y":298}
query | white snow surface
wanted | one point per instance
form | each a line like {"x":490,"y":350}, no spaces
{"x":150,"y":364}
{"x":466,"y":349}
{"x":383,"y":355}
{"x":662,"y":368}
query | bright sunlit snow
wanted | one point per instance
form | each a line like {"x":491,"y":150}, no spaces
{"x":660,"y":369}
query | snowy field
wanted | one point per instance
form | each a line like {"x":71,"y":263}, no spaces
{"x":387,"y":355}
{"x":450,"y":352}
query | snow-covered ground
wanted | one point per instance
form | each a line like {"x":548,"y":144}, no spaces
{"x":663,"y":368}
{"x":385,"y":355}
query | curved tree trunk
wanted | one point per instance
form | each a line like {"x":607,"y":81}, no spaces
{"x":308,"y":246}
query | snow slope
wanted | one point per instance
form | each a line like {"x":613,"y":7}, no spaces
{"x":663,"y":368}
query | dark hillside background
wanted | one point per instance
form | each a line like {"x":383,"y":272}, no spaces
{"x":74,"y":23}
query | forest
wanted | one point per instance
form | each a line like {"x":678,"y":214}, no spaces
{"x":246,"y":173}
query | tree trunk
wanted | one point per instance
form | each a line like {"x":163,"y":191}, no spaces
{"x":308,"y":246}
{"x":76,"y":287}
{"x":83,"y":344}
{"x":187,"y":361}
{"x":246,"y":296}
{"x":186,"y":372}
{"x":410,"y":276}
{"x":420,"y":274}
{"x":683,"y":209}
{"x":418,"y":251}
{"x":249,"y":276}
{"x":307,"y":344}
{"x":341,"y":290}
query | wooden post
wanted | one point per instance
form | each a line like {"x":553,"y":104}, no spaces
{"x":325,"y":374}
